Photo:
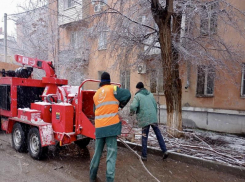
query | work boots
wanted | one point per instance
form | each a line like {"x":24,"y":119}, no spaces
{"x":165,"y":155}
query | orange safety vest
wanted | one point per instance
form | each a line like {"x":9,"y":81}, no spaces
{"x":106,"y":106}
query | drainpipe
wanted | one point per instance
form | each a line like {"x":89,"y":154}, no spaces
{"x":158,"y":103}
{"x":188,"y":67}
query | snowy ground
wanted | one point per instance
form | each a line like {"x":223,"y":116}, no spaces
{"x":226,"y":148}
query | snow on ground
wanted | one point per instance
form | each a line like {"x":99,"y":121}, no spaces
{"x":221,"y":147}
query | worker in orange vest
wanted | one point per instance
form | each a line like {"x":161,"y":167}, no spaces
{"x":107,"y":100}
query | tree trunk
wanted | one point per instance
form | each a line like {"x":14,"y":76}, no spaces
{"x":172,"y":82}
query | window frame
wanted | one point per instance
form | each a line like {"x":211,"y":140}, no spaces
{"x":158,"y":73}
{"x":103,"y":37}
{"x":66,"y":3}
{"x":125,"y":82}
{"x":78,"y":39}
{"x":210,"y":9}
{"x":206,"y":72}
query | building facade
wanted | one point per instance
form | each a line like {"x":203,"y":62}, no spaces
{"x":212,"y":98}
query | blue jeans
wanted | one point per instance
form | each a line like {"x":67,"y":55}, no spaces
{"x":145,"y":132}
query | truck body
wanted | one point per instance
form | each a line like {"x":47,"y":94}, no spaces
{"x":40,"y":113}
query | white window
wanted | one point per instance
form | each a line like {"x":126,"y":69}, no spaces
{"x":209,"y":18}
{"x":205,"y":80}
{"x":125,"y":79}
{"x":68,"y":4}
{"x":76,"y":39}
{"x":156,"y":81}
{"x":102,"y":41}
{"x":243,"y":81}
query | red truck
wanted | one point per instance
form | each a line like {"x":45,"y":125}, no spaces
{"x":40,"y":113}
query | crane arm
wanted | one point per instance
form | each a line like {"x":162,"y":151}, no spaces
{"x":47,"y":66}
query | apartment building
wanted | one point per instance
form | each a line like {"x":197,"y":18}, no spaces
{"x":212,"y":98}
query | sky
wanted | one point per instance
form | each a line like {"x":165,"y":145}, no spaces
{"x":9,"y":7}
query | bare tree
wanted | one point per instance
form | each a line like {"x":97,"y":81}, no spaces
{"x":170,"y":33}
{"x":38,"y":34}
{"x":185,"y":31}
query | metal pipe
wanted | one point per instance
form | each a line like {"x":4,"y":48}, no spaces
{"x":5,"y":38}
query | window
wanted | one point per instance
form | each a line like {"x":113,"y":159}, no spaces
{"x":205,"y":80}
{"x":208,"y":24}
{"x":103,"y":2}
{"x":102,"y":41}
{"x":76,"y":39}
{"x":187,"y":21}
{"x":243,"y":81}
{"x":156,"y":81}
{"x":68,"y":4}
{"x":73,"y":39}
{"x":125,"y":79}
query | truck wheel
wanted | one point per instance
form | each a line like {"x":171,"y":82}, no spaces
{"x":19,"y":138}
{"x":34,"y":144}
{"x":83,"y":142}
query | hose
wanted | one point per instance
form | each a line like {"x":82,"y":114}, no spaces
{"x":139,"y":157}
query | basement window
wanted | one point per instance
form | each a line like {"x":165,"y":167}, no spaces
{"x":205,"y":80}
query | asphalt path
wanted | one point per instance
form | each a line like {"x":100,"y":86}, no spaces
{"x":72,"y":164}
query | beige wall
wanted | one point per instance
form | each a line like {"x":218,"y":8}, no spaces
{"x":226,"y":91}
{"x":8,"y":66}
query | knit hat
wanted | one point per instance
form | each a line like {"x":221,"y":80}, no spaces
{"x":140,"y":85}
{"x":105,"y":79}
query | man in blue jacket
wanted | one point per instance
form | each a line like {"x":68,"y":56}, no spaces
{"x":145,"y":107}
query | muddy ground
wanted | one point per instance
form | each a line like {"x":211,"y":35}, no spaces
{"x":72,"y":164}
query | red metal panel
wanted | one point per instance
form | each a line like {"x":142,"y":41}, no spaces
{"x":13,"y":106}
{"x":54,"y":81}
{"x":29,"y":114}
{"x":21,"y":81}
{"x":88,"y":103}
{"x":65,"y":138}
{"x":85,"y":127}
{"x":6,"y":126}
{"x":62,"y":117}
{"x":50,"y":89}
{"x":44,"y":107}
{"x":46,"y":135}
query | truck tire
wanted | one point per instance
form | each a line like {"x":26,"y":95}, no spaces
{"x":35,"y":149}
{"x":19,"y":138}
{"x":83,"y":142}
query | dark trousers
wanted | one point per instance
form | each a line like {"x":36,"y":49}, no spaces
{"x":145,"y":132}
{"x":111,"y":144}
